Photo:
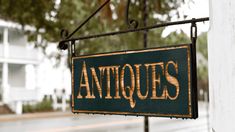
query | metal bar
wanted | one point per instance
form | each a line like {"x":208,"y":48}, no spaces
{"x":137,"y":30}
{"x":70,"y":56}
{"x":146,"y":124}
{"x":127,"y":12}
{"x":193,"y":33}
{"x":145,"y":17}
{"x":84,"y":22}
{"x":145,"y":42}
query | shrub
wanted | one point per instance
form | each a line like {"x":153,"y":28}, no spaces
{"x":45,"y":105}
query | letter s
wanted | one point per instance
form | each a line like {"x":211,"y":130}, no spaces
{"x":172,"y":80}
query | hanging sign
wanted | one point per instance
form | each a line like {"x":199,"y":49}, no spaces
{"x":151,"y":82}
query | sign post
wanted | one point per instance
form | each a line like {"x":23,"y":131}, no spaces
{"x":145,"y":42}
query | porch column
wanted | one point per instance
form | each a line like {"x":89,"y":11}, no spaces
{"x":221,"y":60}
{"x":5,"y":84}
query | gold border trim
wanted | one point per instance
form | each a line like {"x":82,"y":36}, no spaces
{"x":187,"y":46}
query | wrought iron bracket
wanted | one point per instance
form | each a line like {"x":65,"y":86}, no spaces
{"x":131,"y":23}
{"x":136,"y":30}
{"x":65,"y":34}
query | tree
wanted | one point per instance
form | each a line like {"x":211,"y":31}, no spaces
{"x":53,"y":16}
{"x":68,"y":14}
{"x":112,"y":18}
{"x":28,"y":12}
{"x":202,"y":62}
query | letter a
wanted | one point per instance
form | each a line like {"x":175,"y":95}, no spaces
{"x":85,"y":84}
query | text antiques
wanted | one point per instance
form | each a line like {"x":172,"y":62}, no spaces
{"x":153,"y":82}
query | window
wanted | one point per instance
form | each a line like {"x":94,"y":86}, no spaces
{"x":1,"y":36}
{"x":0,"y":75}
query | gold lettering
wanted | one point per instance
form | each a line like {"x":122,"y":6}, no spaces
{"x":142,"y":97}
{"x":115,"y":71}
{"x":95,"y":78}
{"x":111,"y":73}
{"x":172,"y":80}
{"x":108,"y":96}
{"x":102,"y":71}
{"x":130,"y":88}
{"x":156,"y":80}
{"x":85,"y":84}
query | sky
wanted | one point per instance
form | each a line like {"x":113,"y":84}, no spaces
{"x":193,"y":9}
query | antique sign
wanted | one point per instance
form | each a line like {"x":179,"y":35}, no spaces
{"x":151,"y":82}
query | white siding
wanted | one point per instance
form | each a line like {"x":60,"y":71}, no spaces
{"x":1,"y":50}
{"x":19,"y":52}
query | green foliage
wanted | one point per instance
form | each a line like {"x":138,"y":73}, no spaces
{"x":44,"y":106}
{"x":27,"y":12}
{"x":203,"y":67}
{"x":106,"y":22}
{"x":202,"y":49}
{"x":202,"y":44}
{"x":53,"y":17}
{"x":177,"y":38}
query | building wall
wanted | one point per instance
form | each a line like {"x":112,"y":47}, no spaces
{"x":27,"y":74}
{"x":1,"y":50}
{"x":17,"y":62}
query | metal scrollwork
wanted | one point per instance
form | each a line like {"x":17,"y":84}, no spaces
{"x":133,"y":24}
{"x":63,"y":34}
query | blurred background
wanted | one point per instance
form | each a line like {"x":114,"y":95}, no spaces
{"x":35,"y":77}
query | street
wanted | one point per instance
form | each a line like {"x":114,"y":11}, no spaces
{"x":68,"y":122}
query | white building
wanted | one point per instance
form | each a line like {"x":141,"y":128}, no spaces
{"x":24,"y":75}
{"x":18,"y":62}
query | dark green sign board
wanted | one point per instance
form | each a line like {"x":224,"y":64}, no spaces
{"x":151,"y":82}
